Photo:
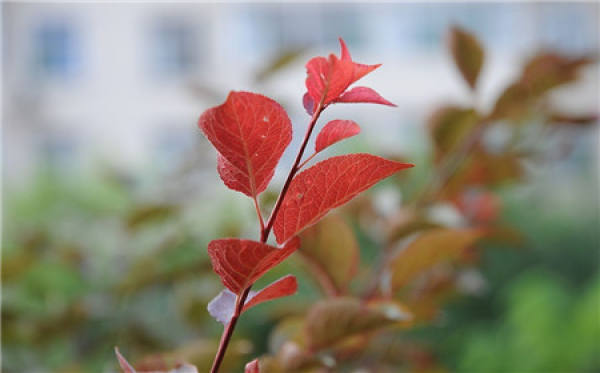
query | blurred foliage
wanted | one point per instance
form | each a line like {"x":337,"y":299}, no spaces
{"x":480,"y":261}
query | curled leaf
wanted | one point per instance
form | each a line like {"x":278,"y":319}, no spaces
{"x":240,"y":263}
{"x":335,"y":131}
{"x":327,"y":185}
{"x":308,"y":103}
{"x":222,"y":306}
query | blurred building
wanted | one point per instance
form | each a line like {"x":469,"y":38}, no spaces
{"x":125,"y":83}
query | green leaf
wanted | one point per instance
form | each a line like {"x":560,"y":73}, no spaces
{"x":482,"y":168}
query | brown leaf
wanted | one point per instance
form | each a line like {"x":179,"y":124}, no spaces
{"x":468,"y":54}
{"x":514,"y":103}
{"x":548,"y":70}
{"x":573,"y":119}
{"x":407,"y":228}
{"x":543,"y":72}
{"x":449,"y":127}
{"x":280,"y":61}
{"x":331,"y":321}
{"x":331,"y":251}
{"x":149,"y":213}
{"x":428,"y":249}
{"x":483,"y":169}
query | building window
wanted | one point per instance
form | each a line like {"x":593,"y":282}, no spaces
{"x":60,"y":150}
{"x":172,"y":142}
{"x":55,"y":50}
{"x":173,"y":50}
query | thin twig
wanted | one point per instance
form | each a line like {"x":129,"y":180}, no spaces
{"x":293,"y":171}
{"x":307,"y":160}
{"x":228,"y":332}
{"x":259,"y":214}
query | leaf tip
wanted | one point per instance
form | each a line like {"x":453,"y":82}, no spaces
{"x":252,"y":367}
{"x":344,"y":54}
{"x":123,"y":363}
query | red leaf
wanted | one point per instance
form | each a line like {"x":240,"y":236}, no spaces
{"x":365,"y":95}
{"x":329,"y":77}
{"x":223,"y":305}
{"x":250,"y":133}
{"x":360,"y":70}
{"x":240,"y":263}
{"x":327,"y":185}
{"x":252,"y":367}
{"x":123,"y":363}
{"x":334,"y":131}
{"x":281,"y":288}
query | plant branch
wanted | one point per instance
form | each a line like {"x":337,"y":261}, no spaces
{"x":293,"y":171}
{"x":307,"y":160}
{"x":264,"y":235}
{"x":259,"y":214}
{"x":228,"y":332}
{"x":449,"y":166}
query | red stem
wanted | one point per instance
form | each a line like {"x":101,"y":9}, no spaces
{"x":264,"y":234}
{"x":293,"y":172}
{"x":227,"y":333}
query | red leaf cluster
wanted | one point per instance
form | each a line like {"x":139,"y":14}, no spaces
{"x":250,"y":133}
{"x":329,"y":78}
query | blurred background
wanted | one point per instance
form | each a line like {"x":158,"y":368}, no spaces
{"x":110,"y":193}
